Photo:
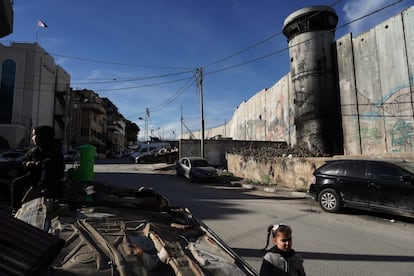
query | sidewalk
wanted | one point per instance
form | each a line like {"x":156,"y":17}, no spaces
{"x":279,"y":191}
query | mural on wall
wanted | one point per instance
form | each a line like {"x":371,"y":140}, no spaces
{"x":392,"y":117}
{"x":398,"y":105}
{"x":278,"y":124}
{"x":402,"y":135}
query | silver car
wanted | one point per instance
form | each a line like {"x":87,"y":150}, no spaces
{"x":195,"y":169}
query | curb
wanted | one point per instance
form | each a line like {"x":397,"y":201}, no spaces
{"x":274,"y":190}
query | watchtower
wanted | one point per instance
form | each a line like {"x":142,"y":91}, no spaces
{"x":310,"y":32}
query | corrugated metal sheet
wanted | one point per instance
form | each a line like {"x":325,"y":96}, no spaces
{"x":24,"y":249}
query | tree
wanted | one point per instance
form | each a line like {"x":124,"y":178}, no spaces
{"x":132,"y":130}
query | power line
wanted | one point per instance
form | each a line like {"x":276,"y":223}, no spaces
{"x":181,"y":91}
{"x":287,"y":48}
{"x":135,"y":79}
{"x":143,"y":86}
{"x":262,"y":41}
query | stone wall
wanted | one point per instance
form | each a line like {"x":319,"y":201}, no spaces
{"x":290,"y":172}
{"x":215,"y":151}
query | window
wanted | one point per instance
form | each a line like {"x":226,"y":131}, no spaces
{"x":8,"y":76}
{"x":383,"y":171}
{"x":355,"y":169}
{"x":334,"y":168}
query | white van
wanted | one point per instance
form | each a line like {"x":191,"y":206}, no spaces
{"x":143,"y":148}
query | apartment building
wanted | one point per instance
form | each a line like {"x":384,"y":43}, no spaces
{"x":34,"y":91}
{"x":87,"y":120}
{"x":115,"y":136}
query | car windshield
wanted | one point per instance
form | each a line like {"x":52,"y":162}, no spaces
{"x":200,"y":163}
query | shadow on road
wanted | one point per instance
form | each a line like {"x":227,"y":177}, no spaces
{"x":255,"y":253}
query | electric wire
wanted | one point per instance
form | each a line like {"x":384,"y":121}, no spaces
{"x":177,"y":94}
{"x":181,"y":91}
{"x":287,"y":48}
{"x":261,"y":41}
{"x":136,"y":79}
{"x":217,"y":70}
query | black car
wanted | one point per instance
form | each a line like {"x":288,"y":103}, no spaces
{"x":11,"y":165}
{"x":377,"y":185}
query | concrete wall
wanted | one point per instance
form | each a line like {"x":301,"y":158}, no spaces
{"x":267,"y":116}
{"x":215,"y":150}
{"x":375,"y":88}
{"x":294,"y":173}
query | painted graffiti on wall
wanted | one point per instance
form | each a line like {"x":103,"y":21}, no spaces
{"x":389,"y":120}
{"x":402,"y":135}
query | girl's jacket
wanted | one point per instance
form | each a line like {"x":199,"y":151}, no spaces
{"x":277,"y":262}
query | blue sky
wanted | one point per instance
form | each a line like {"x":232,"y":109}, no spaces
{"x":143,"y":53}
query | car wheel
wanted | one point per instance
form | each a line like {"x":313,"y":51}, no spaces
{"x":192,"y":178}
{"x":330,"y":201}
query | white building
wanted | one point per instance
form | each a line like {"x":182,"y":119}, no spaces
{"x":34,"y":91}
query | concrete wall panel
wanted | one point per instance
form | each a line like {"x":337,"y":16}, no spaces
{"x":348,"y":96}
{"x":368,"y":85}
{"x":396,"y":97}
{"x":408,"y":20}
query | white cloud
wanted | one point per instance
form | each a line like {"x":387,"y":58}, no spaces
{"x":358,"y":8}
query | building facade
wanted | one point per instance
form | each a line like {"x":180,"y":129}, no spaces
{"x":87,"y":120}
{"x":34,"y":91}
{"x":115,"y":136}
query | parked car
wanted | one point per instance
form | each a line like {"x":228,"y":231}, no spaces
{"x":147,"y":156}
{"x":377,"y":185}
{"x":195,"y":169}
{"x":11,"y":165}
{"x":71,"y":156}
{"x":12,"y":156}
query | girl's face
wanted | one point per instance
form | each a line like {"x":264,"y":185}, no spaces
{"x":283,"y":241}
{"x":34,"y":137}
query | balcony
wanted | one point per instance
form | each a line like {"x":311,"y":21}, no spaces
{"x":97,"y":108}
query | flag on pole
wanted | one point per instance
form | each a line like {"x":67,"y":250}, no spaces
{"x":41,"y":24}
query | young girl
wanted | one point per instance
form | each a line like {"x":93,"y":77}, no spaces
{"x":281,"y":259}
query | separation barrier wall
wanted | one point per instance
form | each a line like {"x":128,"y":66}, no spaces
{"x":375,"y":86}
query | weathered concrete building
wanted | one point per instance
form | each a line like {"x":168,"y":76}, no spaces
{"x":34,"y":91}
{"x":115,"y":136}
{"x":88,"y":120}
{"x":352,"y":96}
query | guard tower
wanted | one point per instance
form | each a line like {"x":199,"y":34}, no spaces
{"x":310,"y":32}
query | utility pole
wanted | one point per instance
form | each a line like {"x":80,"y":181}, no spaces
{"x":147,"y":114}
{"x":199,"y":79}
{"x":181,"y":136}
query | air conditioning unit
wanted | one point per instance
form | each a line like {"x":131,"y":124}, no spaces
{"x":6,"y":17}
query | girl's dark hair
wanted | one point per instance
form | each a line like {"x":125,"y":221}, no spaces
{"x":45,"y":134}
{"x":277,"y":228}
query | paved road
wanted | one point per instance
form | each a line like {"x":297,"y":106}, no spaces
{"x":352,"y":243}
